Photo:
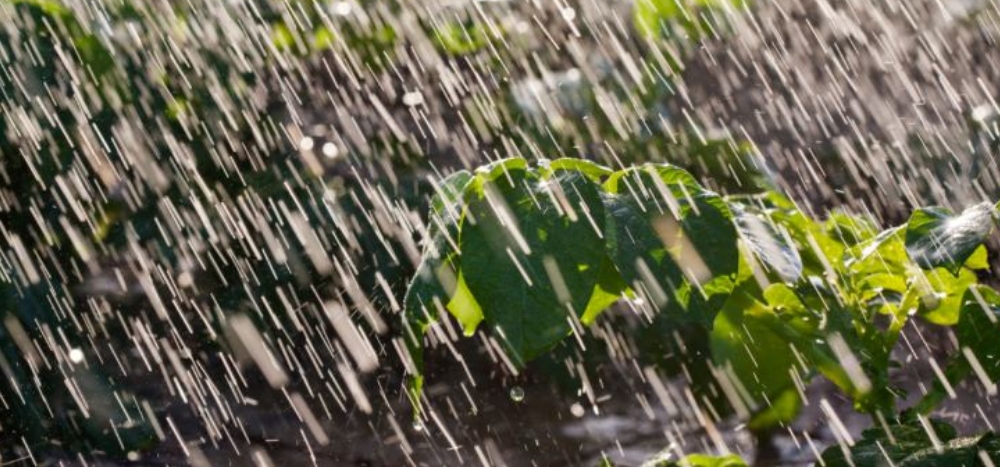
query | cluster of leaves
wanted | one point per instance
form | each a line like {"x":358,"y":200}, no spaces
{"x":533,"y":254}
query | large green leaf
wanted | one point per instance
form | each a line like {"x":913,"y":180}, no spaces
{"x":673,"y":242}
{"x":533,"y":255}
{"x":936,"y":238}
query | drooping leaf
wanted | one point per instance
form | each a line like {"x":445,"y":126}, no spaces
{"x":438,"y":274}
{"x":673,"y":242}
{"x":936,"y":238}
{"x":533,"y":255}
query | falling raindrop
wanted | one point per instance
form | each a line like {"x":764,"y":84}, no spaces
{"x":342,"y":8}
{"x":577,"y":410}
{"x":306,"y":144}
{"x":76,"y":355}
{"x":517,"y":394}
{"x":413,"y":98}
{"x":330,"y":150}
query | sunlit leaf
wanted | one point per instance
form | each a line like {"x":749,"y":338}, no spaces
{"x":771,"y":249}
{"x":936,"y":238}
{"x":533,"y":256}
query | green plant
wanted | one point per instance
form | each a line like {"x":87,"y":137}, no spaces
{"x":534,"y":254}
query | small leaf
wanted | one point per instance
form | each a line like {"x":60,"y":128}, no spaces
{"x":609,"y":289}
{"x":979,"y":259}
{"x":704,"y":460}
{"x":849,"y":229}
{"x":771,"y":249}
{"x":942,"y":294}
{"x":936,"y":238}
{"x":438,"y":274}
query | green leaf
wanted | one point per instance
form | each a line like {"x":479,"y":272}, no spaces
{"x":780,"y":410}
{"x":674,"y":18}
{"x":978,"y":328}
{"x":912,"y":445}
{"x":609,"y":289}
{"x":533,"y":255}
{"x":770,"y":248}
{"x":850,"y":229}
{"x":592,"y":170}
{"x":941,"y":294}
{"x":979,"y":260}
{"x":936,"y":238}
{"x":457,"y":38}
{"x":876,"y":449}
{"x":815,"y":249}
{"x":958,"y":452}
{"x":884,"y":254}
{"x":673,"y":242}
{"x":438,"y":283}
{"x":438,"y":278}
{"x":704,"y":460}
{"x":745,"y":342}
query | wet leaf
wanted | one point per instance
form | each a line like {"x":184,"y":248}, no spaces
{"x":769,"y":246}
{"x":916,"y":444}
{"x":533,"y":256}
{"x":673,"y":242}
{"x":936,"y":238}
{"x":745,"y":342}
